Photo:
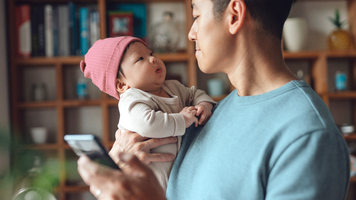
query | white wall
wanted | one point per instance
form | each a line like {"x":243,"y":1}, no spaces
{"x":4,"y":95}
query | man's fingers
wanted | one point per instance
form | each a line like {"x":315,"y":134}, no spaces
{"x":160,"y":157}
{"x":156,"y":142}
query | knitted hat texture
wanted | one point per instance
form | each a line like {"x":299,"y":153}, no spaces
{"x":102,"y":62}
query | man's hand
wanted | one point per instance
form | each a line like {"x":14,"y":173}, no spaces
{"x":135,"y":182}
{"x":127,"y":141}
{"x":204,"y":111}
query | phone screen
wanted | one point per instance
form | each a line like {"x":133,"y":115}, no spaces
{"x":91,"y":146}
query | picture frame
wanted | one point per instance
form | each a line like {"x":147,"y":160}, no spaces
{"x":120,"y":24}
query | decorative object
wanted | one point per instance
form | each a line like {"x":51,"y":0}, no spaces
{"x":347,"y":129}
{"x":339,"y":39}
{"x":164,"y":35}
{"x":216,"y":87}
{"x":120,"y":24}
{"x":39,"y":92}
{"x":340,"y":81}
{"x":29,"y":188}
{"x":82,"y":88}
{"x":39,"y":135}
{"x":295,"y":34}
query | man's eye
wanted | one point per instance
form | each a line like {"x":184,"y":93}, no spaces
{"x":141,"y":58}
{"x":194,"y":18}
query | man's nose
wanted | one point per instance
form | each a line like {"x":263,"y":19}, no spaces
{"x":192,"y":35}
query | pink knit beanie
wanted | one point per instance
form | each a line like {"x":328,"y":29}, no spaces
{"x":102,"y":62}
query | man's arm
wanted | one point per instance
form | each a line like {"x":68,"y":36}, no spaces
{"x":315,"y":166}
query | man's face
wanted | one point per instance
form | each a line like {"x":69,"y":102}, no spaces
{"x":142,"y":70}
{"x":209,"y":36}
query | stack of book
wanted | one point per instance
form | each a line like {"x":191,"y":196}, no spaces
{"x":56,"y":30}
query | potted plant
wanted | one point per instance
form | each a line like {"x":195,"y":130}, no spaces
{"x":339,"y":39}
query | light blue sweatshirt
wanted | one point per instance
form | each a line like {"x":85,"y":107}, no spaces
{"x":280,"y":145}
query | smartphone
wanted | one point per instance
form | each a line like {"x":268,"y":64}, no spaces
{"x":91,"y":146}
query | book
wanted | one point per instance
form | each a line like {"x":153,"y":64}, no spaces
{"x":41,"y":31}
{"x":64,"y":40}
{"x":56,"y":29}
{"x":23,"y":29}
{"x":49,"y":30}
{"x":34,"y":31}
{"x":94,"y":26}
{"x":73,"y":29}
{"x":84,"y":30}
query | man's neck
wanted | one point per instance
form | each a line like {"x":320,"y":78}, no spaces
{"x":261,"y":68}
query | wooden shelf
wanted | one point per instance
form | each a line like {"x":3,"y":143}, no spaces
{"x":343,"y":95}
{"x":39,"y":104}
{"x":219,"y":98}
{"x":350,"y":137}
{"x":353,"y":179}
{"x":315,"y":54}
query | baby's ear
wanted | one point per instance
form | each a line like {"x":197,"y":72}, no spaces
{"x":121,"y":86}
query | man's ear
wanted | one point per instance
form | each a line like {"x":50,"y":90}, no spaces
{"x":121,"y":86}
{"x":237,"y":12}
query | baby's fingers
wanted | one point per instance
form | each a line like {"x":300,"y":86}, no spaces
{"x":199,"y":109}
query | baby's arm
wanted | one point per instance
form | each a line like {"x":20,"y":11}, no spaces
{"x":143,"y":116}
{"x":189,"y":116}
{"x":204,"y":111}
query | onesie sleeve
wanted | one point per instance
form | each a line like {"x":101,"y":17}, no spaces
{"x":191,"y":96}
{"x":141,"y":115}
{"x":314,"y":166}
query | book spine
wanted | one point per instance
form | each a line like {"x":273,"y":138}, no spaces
{"x":84,"y":30}
{"x":94,"y":27}
{"x":49,"y":30}
{"x":41,"y":31}
{"x":55,"y":31}
{"x":73,"y":29}
{"x":64,"y":49}
{"x":34,"y":31}
{"x":23,"y":27}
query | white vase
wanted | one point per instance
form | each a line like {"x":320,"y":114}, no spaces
{"x":295,"y":33}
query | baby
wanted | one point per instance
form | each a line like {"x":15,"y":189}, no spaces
{"x":149,"y":105}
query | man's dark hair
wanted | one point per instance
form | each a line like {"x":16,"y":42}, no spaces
{"x":270,"y":14}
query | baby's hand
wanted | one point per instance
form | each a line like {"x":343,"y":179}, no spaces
{"x":189,"y":116}
{"x":204,"y":111}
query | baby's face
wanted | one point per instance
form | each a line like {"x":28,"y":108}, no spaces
{"x":142,"y":69}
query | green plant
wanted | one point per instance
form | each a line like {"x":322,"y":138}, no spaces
{"x":336,"y":20}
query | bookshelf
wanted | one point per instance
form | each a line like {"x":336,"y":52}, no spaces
{"x":60,"y":106}
{"x":61,"y":109}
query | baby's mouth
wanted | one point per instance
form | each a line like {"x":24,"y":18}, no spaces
{"x":159,"y":69}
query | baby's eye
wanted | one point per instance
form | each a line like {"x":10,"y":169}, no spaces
{"x":151,"y":54}
{"x":141,"y":58}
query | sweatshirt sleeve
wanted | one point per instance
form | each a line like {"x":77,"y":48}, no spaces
{"x":140,"y":114}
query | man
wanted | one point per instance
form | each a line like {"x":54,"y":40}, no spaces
{"x":271,"y":138}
